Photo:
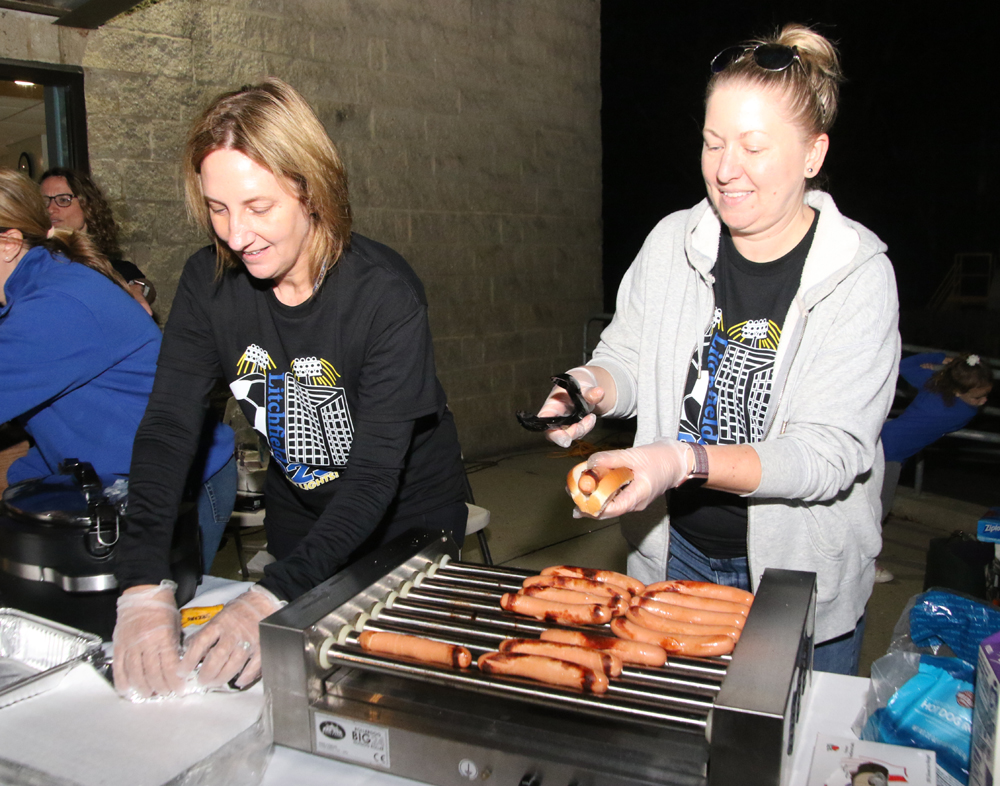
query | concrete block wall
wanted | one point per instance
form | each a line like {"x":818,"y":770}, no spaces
{"x":471,"y":133}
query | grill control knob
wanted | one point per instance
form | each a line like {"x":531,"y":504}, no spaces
{"x":531,"y":779}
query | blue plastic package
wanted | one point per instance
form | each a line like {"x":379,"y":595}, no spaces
{"x":944,"y":617}
{"x":932,"y":710}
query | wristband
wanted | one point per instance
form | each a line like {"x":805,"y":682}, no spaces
{"x":144,"y":284}
{"x":700,"y":469}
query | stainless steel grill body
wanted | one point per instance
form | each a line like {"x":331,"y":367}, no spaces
{"x":703,"y":722}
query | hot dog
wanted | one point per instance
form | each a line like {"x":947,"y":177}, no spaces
{"x":618,"y":603}
{"x":415,"y":647}
{"x":605,"y":662}
{"x":663,"y":625}
{"x":580,"y":585}
{"x":703,"y":589}
{"x":553,"y":611}
{"x":639,"y":653}
{"x":542,"y":669}
{"x":676,"y":598}
{"x":587,"y":482}
{"x":603,"y":482}
{"x":674,"y":644}
{"x":634,"y":586}
{"x":684,"y":614}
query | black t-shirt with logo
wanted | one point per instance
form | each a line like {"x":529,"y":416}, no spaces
{"x":343,"y":388}
{"x":729,"y":391}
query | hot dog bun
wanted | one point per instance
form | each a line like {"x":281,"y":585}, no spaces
{"x":609,"y":483}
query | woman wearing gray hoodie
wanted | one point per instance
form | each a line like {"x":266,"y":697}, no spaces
{"x":755,"y":340}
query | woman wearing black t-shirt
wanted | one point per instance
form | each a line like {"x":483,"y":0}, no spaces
{"x":323,"y":339}
{"x":755,"y":340}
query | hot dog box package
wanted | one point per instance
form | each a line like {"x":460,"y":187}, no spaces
{"x":984,"y":764}
{"x":841,"y":761}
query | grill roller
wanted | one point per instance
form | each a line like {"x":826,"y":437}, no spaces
{"x":702,"y":721}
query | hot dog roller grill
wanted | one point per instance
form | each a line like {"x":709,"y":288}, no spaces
{"x":697,"y":722}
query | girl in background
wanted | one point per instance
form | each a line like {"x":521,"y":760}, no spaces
{"x":951,"y":391}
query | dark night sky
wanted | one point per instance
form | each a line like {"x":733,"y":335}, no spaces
{"x":910,"y":154}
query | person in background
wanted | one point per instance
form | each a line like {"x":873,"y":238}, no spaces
{"x":75,"y":202}
{"x":755,"y":339}
{"x":77,"y":354}
{"x":950,"y":391}
{"x":323,"y":338}
{"x":78,"y":357}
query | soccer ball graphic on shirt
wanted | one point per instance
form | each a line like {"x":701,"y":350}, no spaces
{"x":250,"y":389}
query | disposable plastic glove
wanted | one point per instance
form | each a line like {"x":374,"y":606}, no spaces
{"x":147,"y":643}
{"x":229,"y":645}
{"x":558,"y":403}
{"x":659,"y":466}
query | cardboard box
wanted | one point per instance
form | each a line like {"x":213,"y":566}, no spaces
{"x":984,"y":763}
{"x":836,"y":761}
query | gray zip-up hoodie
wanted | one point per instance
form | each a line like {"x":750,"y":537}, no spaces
{"x":817,"y":506}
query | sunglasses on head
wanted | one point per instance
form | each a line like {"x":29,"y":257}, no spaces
{"x":770,"y":57}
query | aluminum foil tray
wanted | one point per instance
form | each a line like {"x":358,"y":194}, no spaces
{"x":35,"y":654}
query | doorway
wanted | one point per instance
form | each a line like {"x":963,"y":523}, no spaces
{"x":43,"y":120}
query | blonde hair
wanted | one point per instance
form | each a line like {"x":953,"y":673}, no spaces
{"x":273,"y":126}
{"x":812,"y":90}
{"x":22,"y":208}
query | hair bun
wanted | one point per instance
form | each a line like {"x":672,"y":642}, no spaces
{"x":812,"y":87}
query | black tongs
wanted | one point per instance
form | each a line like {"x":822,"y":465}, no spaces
{"x":581,"y":408}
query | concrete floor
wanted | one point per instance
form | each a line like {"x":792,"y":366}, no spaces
{"x":531,"y":527}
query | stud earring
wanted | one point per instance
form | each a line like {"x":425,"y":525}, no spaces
{"x":810,"y":170}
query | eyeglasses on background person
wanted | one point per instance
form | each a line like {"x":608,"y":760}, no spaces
{"x":63,"y":200}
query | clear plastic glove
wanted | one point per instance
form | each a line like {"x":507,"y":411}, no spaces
{"x":558,"y":403}
{"x":229,"y":645}
{"x":147,"y":643}
{"x":659,"y":466}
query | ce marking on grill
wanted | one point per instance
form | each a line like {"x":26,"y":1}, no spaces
{"x":379,"y":758}
{"x":467,"y":769}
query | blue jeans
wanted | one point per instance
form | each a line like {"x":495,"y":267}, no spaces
{"x":216,"y":498}
{"x":839,"y":655}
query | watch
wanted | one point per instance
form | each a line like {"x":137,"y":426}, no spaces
{"x":700,"y":470}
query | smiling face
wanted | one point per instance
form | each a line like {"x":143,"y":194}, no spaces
{"x":755,"y":163}
{"x":259,"y":217}
{"x":71,"y":217}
